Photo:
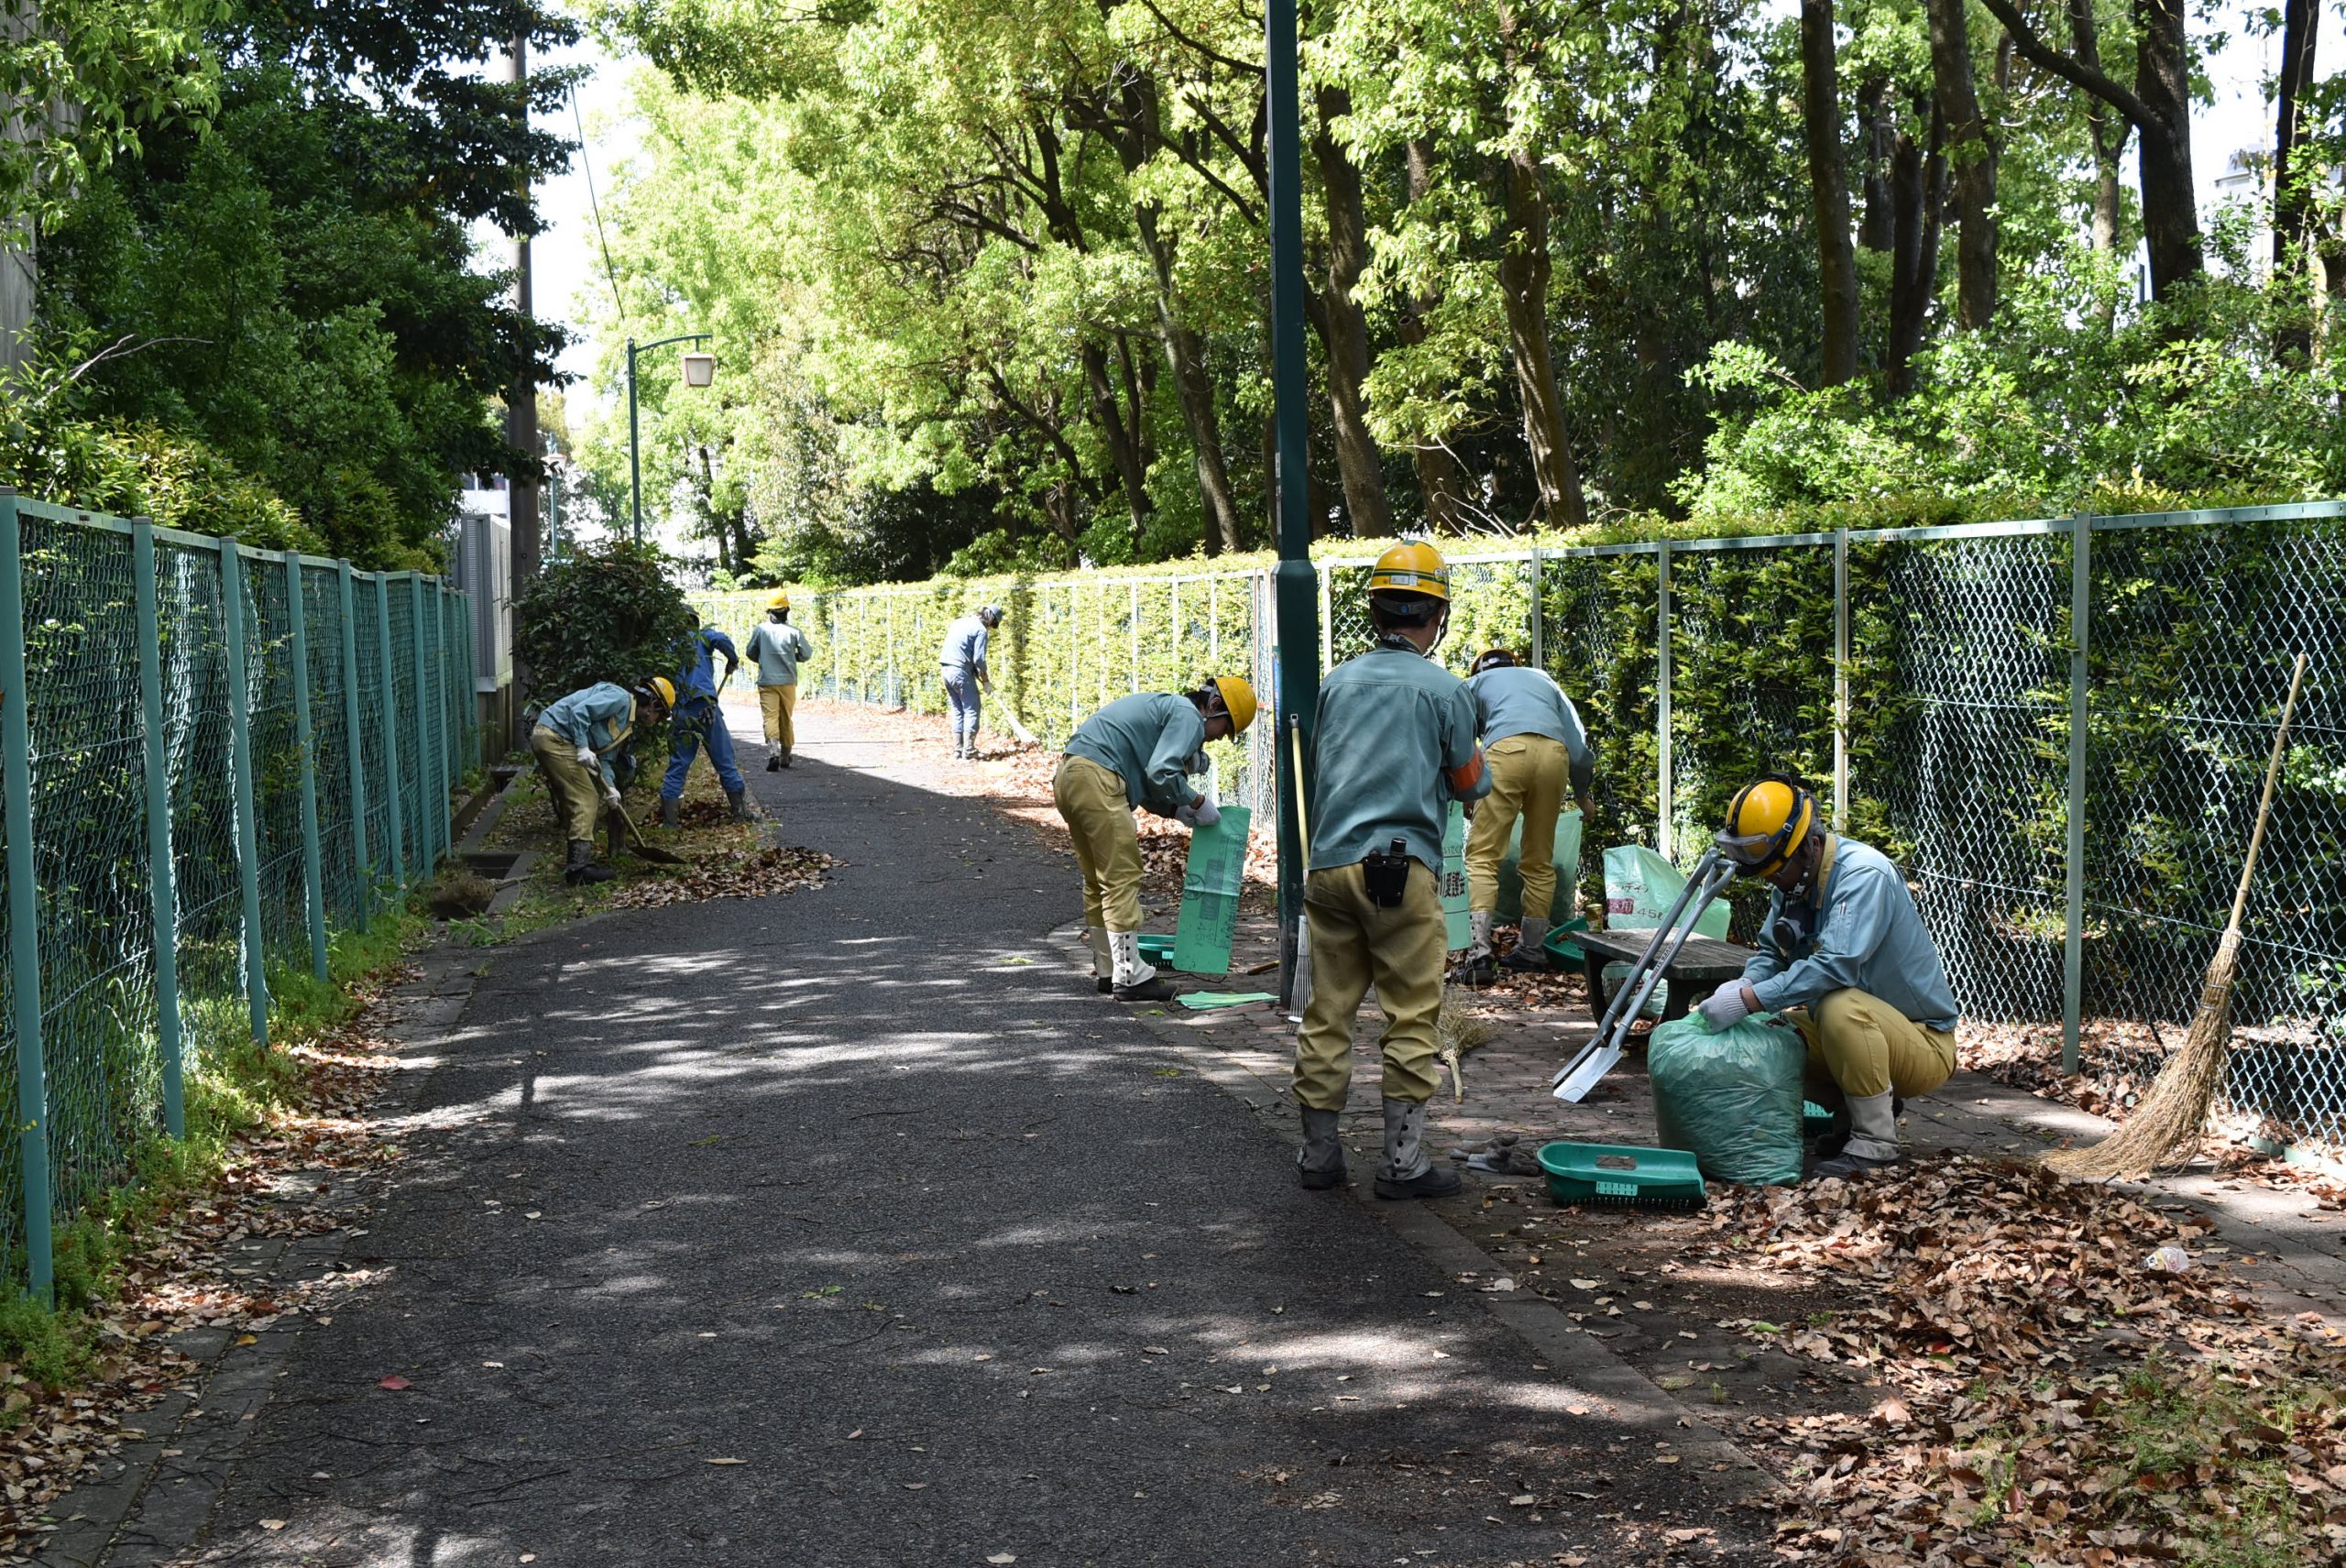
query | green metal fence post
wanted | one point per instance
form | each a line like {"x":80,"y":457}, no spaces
{"x":24,"y":906}
{"x":440,"y":706}
{"x":396,"y":810}
{"x":362,"y":856}
{"x":1666,"y":804}
{"x":1840,"y":680}
{"x":161,"y":890}
{"x":426,"y":822}
{"x":305,"y":738}
{"x":240,"y":750}
{"x":2073,"y":937}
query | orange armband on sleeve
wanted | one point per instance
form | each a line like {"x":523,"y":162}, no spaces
{"x":1467,"y":775}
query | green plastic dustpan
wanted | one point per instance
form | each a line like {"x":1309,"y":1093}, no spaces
{"x":1621,"y":1176}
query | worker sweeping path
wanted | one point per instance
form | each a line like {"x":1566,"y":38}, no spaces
{"x":1394,"y":745}
{"x":1531,"y":738}
{"x":778,"y":647}
{"x":581,"y":746}
{"x":1844,"y":951}
{"x":961,"y":661}
{"x":699,"y":722}
{"x":1139,"y":751}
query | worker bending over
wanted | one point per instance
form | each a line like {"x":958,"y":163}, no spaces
{"x":777,"y":646}
{"x":1395,"y":744}
{"x":1531,"y":738}
{"x":580,"y":741}
{"x":1844,"y":950}
{"x":1138,"y":751}
{"x":961,"y":660}
{"x":699,"y":722}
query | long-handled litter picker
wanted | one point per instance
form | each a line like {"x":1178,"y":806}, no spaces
{"x":1596,"y":1058}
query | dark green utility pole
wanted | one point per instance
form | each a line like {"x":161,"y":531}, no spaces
{"x":1296,"y":586}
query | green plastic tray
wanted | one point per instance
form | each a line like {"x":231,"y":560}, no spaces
{"x":1559,"y":946}
{"x":1621,"y":1176}
{"x":1814,"y":1118}
{"x":1156,"y":950}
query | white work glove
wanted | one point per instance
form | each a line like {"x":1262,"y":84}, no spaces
{"x":611,"y":796}
{"x":1726,"y":1007}
{"x":1199,"y":813}
{"x":585,"y":756}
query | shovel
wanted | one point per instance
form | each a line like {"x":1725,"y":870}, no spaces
{"x":658,"y":857}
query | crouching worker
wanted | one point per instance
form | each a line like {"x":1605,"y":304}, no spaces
{"x":578,"y":743}
{"x":1395,"y":744}
{"x":1532,"y":739}
{"x":1844,"y":953}
{"x":1138,"y":751}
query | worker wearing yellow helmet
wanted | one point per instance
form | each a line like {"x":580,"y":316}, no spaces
{"x":1394,"y":745}
{"x":778,"y":647}
{"x":581,"y":743}
{"x":1138,"y":750}
{"x":1844,"y":954}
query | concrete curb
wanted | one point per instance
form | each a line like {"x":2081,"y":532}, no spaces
{"x":1577,"y":1360}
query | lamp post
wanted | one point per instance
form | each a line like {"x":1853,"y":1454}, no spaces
{"x":699,"y":370}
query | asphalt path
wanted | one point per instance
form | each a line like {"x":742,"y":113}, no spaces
{"x":853,"y":1228}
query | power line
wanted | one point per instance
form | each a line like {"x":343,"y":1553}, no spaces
{"x":587,"y":163}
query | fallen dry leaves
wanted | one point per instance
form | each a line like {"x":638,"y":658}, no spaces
{"x":761,"y":874}
{"x":294,"y":1174}
{"x":2042,"y":1397}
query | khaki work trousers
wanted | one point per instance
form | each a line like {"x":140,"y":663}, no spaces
{"x":1865,"y":1046}
{"x":1353,"y":945}
{"x":780,"y":705}
{"x":1527,"y":780}
{"x":576,"y":792}
{"x":1107,"y":846}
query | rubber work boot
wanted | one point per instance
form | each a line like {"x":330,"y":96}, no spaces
{"x":740,"y":800}
{"x":1135,"y":980}
{"x":1873,"y":1139}
{"x":774,"y":760}
{"x":668,"y":812}
{"x":1476,"y":969}
{"x":581,"y":866}
{"x":1320,"y":1162}
{"x":1103,"y":963}
{"x":1530,"y":955}
{"x":1834,"y":1139}
{"x":1407,"y":1171}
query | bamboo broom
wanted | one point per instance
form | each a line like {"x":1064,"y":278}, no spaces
{"x":2172,"y":1113}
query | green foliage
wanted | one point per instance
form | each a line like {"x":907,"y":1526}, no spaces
{"x":606,"y":613}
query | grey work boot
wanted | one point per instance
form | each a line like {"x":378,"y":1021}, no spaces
{"x":1103,"y":963}
{"x":1135,"y":980}
{"x":1320,"y":1162}
{"x":1872,"y":1143}
{"x":1476,"y":969}
{"x":1407,"y":1171}
{"x":1530,"y":955}
{"x":740,"y":800}
{"x":581,"y":867}
{"x":668,"y":812}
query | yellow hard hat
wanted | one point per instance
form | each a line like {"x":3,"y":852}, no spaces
{"x":1239,"y":699}
{"x":1766,"y":824}
{"x":665,"y":688}
{"x":1413,"y":568}
{"x":780,"y":600}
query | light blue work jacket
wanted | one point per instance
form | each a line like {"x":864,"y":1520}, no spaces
{"x":1866,"y":933}
{"x":777,"y":646}
{"x":1148,"y":740}
{"x":598,"y":718}
{"x":1512,"y":700}
{"x":1394,"y":728}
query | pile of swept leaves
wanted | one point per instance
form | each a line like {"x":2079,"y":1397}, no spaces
{"x":2045,"y":1397}
{"x":759,"y":874}
{"x":179,"y":1264}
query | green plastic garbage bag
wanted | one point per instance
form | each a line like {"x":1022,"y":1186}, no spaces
{"x":1567,"y":857}
{"x":1732,"y":1100}
{"x":1457,"y":931}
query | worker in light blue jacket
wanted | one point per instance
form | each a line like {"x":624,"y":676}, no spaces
{"x":778,"y":646}
{"x":1844,"y":953}
{"x":961,"y":663}
{"x":700,"y":722}
{"x":1533,"y":740}
{"x":580,"y":744}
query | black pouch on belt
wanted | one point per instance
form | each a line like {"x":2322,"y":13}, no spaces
{"x":1387,"y":875}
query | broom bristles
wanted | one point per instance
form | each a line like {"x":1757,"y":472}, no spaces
{"x":2169,"y":1116}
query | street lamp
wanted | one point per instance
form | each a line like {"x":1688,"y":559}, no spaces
{"x":700,"y":369}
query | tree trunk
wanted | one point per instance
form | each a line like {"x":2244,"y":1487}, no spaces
{"x":2107,"y":131}
{"x":1525,"y":267}
{"x":1344,"y":327}
{"x":2170,"y":200}
{"x":1971,"y":152}
{"x":1123,"y":451}
{"x":1439,"y":475}
{"x":1877,"y":229}
{"x":2292,"y":205}
{"x":1918,"y":195}
{"x":1828,"y":182}
{"x":1185,"y":355}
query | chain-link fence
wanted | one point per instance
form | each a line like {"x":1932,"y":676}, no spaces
{"x":2057,"y":727}
{"x":206,"y":775}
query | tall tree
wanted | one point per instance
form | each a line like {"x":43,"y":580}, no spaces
{"x":2292,"y":192}
{"x":1440,"y":481}
{"x":2159,"y":108}
{"x":1343,"y":325}
{"x":1525,"y":268}
{"x":1971,"y":152}
{"x":1836,"y":257}
{"x":2106,"y":132}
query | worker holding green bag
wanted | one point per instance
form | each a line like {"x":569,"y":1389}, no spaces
{"x":1532,"y":739}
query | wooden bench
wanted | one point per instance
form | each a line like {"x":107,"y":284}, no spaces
{"x":1702,"y":966}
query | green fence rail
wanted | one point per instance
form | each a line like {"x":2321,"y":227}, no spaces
{"x":215,"y":759}
{"x":2057,"y":726}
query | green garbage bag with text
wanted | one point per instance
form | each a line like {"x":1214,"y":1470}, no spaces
{"x":1732,"y":1100}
